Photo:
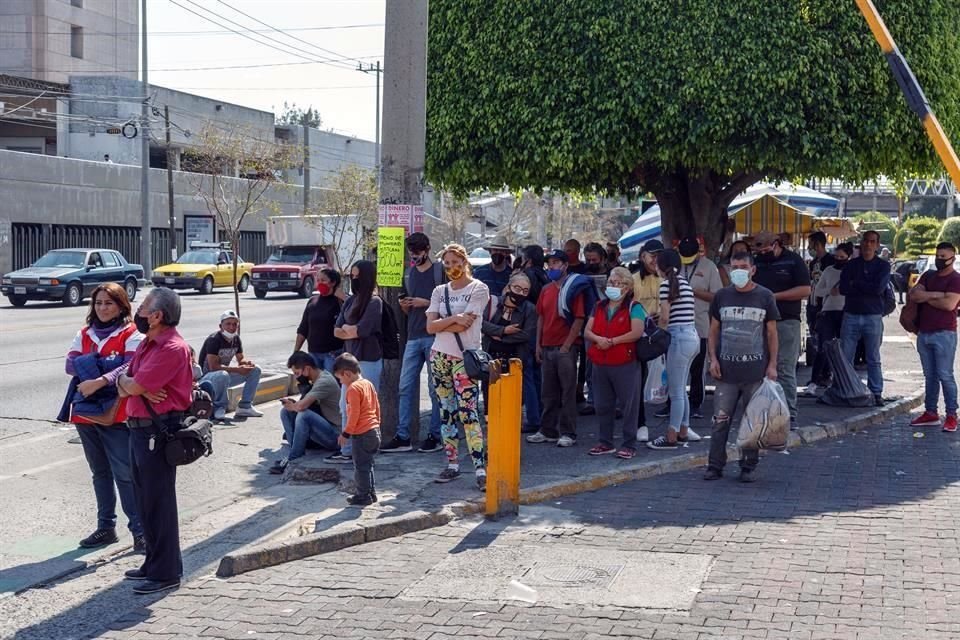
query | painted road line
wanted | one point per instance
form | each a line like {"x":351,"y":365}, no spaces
{"x":46,"y":467}
{"x":46,"y":436}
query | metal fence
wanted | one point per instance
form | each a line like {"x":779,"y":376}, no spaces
{"x":32,"y":240}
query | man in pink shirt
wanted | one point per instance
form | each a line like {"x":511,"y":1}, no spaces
{"x":161,"y":374}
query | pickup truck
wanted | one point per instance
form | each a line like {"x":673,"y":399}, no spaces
{"x":291,"y":268}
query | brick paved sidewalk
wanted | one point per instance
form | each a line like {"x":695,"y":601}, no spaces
{"x":855,"y":538}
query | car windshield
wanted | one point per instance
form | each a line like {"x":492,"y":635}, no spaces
{"x":198,"y":257}
{"x":62,"y":259}
{"x":296,"y":255}
{"x":921,"y":265}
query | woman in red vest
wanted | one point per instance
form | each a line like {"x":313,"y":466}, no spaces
{"x":100,"y":353}
{"x":613,"y":331}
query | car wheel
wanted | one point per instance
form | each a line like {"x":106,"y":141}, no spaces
{"x":260,"y":293}
{"x":206,"y":287}
{"x":244,"y":283}
{"x":307,"y":288}
{"x":131,"y":288}
{"x":73,"y":295}
{"x":18,"y":301}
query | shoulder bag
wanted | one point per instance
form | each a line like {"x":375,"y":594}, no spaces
{"x":653,"y":343}
{"x":192,"y":441}
{"x":476,"y":362}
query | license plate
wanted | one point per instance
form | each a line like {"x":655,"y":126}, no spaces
{"x":170,"y":280}
{"x":272,"y":285}
{"x":19,"y":290}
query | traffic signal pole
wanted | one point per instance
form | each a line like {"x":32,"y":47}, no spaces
{"x":911,"y":89}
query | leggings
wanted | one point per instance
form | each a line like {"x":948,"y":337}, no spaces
{"x":458,"y":402}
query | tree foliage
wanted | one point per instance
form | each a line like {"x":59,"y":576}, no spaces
{"x":292,"y":114}
{"x":922,"y":235}
{"x":879,"y":222}
{"x":950,"y":232}
{"x":691,"y":100}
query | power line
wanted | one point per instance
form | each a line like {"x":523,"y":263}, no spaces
{"x":210,"y":32}
{"x":216,"y":68}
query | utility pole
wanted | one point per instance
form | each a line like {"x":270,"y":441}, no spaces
{"x":145,"y":258}
{"x":173,"y":216}
{"x":377,"y":70}
{"x":306,"y":168}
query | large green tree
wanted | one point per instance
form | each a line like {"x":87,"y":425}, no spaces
{"x":692,"y":100}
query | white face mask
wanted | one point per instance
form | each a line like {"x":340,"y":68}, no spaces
{"x":228,"y":335}
{"x":740,"y":277}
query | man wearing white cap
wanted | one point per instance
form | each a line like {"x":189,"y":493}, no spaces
{"x":216,"y":354}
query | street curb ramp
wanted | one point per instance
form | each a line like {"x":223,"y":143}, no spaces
{"x":351,"y":534}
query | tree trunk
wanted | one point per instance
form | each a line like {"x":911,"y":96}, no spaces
{"x":234,"y":243}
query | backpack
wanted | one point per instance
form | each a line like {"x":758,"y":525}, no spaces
{"x":889,"y":300}
{"x":389,"y":332}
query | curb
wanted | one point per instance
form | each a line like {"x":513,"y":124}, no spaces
{"x":351,"y":534}
{"x":272,"y":386}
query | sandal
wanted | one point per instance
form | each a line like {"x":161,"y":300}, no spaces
{"x":626,"y":453}
{"x":601,"y":450}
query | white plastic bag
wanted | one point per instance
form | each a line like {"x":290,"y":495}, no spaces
{"x":655,"y":389}
{"x":766,"y":420}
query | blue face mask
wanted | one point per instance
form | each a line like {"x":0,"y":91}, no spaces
{"x":740,"y":277}
{"x":613,"y":293}
{"x":554,"y":274}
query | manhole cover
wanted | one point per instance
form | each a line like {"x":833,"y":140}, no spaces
{"x":573,"y":575}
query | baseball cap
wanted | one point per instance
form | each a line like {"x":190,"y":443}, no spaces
{"x":688,"y":249}
{"x":230,"y":313}
{"x":557,"y":254}
{"x":651,"y":246}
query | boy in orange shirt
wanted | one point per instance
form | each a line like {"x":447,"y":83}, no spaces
{"x":362,"y":425}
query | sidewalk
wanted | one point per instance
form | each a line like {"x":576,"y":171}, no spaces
{"x":853,"y":538}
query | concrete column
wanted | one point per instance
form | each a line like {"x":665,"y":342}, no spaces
{"x":63,"y":127}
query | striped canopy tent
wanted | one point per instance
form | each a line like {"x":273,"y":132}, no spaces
{"x":647,"y":227}
{"x":771,"y":214}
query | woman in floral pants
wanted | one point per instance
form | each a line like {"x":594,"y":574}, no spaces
{"x":454,"y":317}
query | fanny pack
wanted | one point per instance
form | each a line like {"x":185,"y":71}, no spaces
{"x":192,"y":441}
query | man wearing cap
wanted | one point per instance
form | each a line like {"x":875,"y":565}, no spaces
{"x":786,"y":275}
{"x":216,"y":354}
{"x":496,"y":274}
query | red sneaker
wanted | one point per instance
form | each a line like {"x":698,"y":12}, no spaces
{"x":950,"y":424}
{"x":928,"y":419}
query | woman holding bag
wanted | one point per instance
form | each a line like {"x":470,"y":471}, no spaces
{"x":100,"y":353}
{"x":454,"y":317}
{"x":613,"y":331}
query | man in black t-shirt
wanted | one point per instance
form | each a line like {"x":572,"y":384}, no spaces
{"x":216,"y":354}
{"x":786,"y":275}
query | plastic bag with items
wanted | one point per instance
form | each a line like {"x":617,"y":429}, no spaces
{"x":766,"y":420}
{"x":655,"y":390}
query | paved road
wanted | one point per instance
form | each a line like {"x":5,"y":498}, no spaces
{"x":45,"y":485}
{"x":856,"y":538}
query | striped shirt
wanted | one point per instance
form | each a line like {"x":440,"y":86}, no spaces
{"x":682,"y":310}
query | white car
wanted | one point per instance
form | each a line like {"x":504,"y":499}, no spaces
{"x":479,"y":257}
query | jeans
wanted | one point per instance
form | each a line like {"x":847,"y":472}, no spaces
{"x":726,"y":397}
{"x":559,"y":374}
{"x":615,"y":386}
{"x":222,"y":381}
{"x":107,"y":450}
{"x":684,"y":347}
{"x":869,"y":328}
{"x":324,"y":359}
{"x":788,"y":338}
{"x":641,"y":409}
{"x":827,"y":327}
{"x":938,"y":353}
{"x":371,"y":370}
{"x":415,"y":355}
{"x":531,"y":391}
{"x":302,"y":426}
{"x":696,"y":377}
{"x":365,"y":450}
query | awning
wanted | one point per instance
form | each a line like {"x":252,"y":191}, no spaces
{"x":771,"y":214}
{"x":647,"y":227}
{"x":837,"y":229}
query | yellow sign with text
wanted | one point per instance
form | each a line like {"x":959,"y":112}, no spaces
{"x":390,"y":254}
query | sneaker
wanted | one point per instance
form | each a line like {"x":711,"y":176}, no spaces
{"x":140,"y":544}
{"x":811,"y":389}
{"x":696,"y":413}
{"x":626,"y":453}
{"x":950,"y":424}
{"x":878,"y":400}
{"x":430,"y":445}
{"x":361,"y":500}
{"x":219,"y":413}
{"x":601,"y":450}
{"x":538,"y":437}
{"x":155,"y":586}
{"x":928,"y":419}
{"x":134,"y":574}
{"x":338,"y":458}
{"x":692,"y":436}
{"x":247,"y":412}
{"x":99,"y":538}
{"x":587,"y":410}
{"x":662,"y":413}
{"x":712,"y":474}
{"x":748,"y":475}
{"x":566,"y":441}
{"x":482,"y":482}
{"x":662,"y":443}
{"x":643,"y":434}
{"x":447,"y":475}
{"x":396,"y":445}
{"x":279,"y":466}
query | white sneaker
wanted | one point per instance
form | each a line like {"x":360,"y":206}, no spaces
{"x":566,"y":441}
{"x":247,"y":412}
{"x":643,"y":434}
{"x":219,"y":413}
{"x":692,"y":436}
{"x":538,"y":437}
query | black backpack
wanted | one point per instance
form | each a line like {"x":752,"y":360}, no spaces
{"x":389,"y":332}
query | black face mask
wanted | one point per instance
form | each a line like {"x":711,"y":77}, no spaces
{"x":419,"y":260}
{"x":143,"y":324}
{"x":497,"y":259}
{"x":302,"y":380}
{"x":764,"y":257}
{"x":516,"y":298}
{"x":593,"y":268}
{"x":942,"y":264}
{"x":354,"y":285}
{"x":839,"y":263}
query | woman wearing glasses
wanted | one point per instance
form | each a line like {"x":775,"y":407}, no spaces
{"x":507,"y":332}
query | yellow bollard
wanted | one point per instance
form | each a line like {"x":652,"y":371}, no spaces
{"x":503,"y":442}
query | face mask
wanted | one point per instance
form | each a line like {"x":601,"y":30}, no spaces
{"x":497,"y":259}
{"x":516,"y":298}
{"x":942,"y":264}
{"x":740,"y":277}
{"x":766,"y":256}
{"x":554,"y":274}
{"x":573,"y":256}
{"x":593,"y":268}
{"x":324,"y":289}
{"x":454,"y":273}
{"x":416,"y":262}
{"x":354,"y":285}
{"x":301,"y":380}
{"x":613,"y":293}
{"x":839,"y":263}
{"x":228,"y":335}
{"x":142,"y":323}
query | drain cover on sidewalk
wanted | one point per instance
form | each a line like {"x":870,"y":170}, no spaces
{"x":565,"y":575}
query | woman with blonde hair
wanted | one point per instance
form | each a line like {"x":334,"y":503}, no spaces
{"x":454,"y":317}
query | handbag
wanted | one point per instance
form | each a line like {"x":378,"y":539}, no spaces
{"x":908,"y":317}
{"x":476,"y":362}
{"x":192,"y":441}
{"x":653,"y":343}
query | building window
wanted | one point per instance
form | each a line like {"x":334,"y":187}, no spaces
{"x":76,"y":42}
{"x":77,"y":3}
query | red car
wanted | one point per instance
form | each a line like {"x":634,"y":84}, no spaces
{"x":291,"y":268}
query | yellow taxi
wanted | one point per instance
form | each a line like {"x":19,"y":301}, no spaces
{"x":203,"y":267}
